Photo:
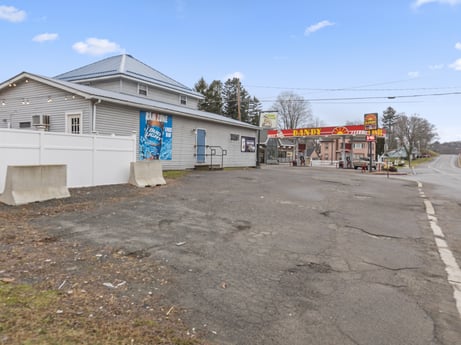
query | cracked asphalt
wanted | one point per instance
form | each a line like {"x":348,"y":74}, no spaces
{"x":286,"y":255}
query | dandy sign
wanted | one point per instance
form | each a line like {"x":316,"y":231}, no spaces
{"x":325,"y":131}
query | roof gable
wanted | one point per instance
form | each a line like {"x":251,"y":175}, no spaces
{"x":122,"y":66}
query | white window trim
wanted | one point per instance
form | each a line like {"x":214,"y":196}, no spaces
{"x":66,"y":120}
{"x":181,"y":97}
{"x":146,"y":89}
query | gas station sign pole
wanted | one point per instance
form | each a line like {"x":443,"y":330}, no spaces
{"x":370,"y":122}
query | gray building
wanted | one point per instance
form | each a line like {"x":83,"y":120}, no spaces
{"x":121,"y":95}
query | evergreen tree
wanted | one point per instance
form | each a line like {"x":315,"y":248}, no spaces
{"x":389,"y":119}
{"x":201,"y":86}
{"x":230,"y":100}
{"x":213,"y":96}
{"x":232,"y":93}
{"x":254,"y":111}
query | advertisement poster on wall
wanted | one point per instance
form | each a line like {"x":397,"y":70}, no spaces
{"x":155,"y":136}
{"x":248,"y":144}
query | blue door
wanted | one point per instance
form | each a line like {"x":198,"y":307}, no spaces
{"x":201,"y":148}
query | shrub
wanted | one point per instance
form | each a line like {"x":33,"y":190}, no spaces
{"x":393,"y":168}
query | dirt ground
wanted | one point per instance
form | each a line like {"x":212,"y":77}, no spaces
{"x":56,"y":290}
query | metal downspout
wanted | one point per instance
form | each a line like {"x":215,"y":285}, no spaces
{"x":93,"y":125}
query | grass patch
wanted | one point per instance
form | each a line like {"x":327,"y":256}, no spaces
{"x":29,"y":315}
{"x":25,"y":309}
{"x":418,"y":161}
{"x":175,"y":174}
{"x":237,"y":168}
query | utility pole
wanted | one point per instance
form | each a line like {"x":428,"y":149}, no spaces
{"x":238,"y":101}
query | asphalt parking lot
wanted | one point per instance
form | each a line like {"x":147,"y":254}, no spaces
{"x":286,"y":255}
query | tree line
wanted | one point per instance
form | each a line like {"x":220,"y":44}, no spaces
{"x":232,"y":100}
{"x":229,"y":99}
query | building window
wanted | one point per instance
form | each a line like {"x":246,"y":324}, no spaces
{"x":142,"y":89}
{"x":24,"y":124}
{"x":183,"y":100}
{"x":74,"y":123}
{"x":358,"y":145}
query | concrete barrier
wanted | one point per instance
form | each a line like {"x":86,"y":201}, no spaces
{"x":31,"y":183}
{"x":146,"y":173}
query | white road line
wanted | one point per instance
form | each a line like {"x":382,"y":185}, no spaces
{"x":451,"y":266}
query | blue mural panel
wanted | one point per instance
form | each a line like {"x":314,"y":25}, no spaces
{"x":155,"y":136}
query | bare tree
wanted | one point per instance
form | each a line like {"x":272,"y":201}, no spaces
{"x":413,"y":132}
{"x":293,"y":110}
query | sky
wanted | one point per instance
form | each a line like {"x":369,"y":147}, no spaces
{"x":346,"y":57}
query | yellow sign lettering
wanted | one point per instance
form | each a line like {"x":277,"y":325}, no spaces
{"x":306,"y":132}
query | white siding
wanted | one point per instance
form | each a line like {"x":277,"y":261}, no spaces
{"x":35,"y":97}
{"x":110,"y":85}
{"x":217,"y":135}
{"x":116,"y":119}
{"x":131,"y":87}
{"x":156,"y":94}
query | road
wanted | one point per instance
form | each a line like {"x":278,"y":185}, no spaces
{"x":440,"y":186}
{"x":441,"y":183}
{"x":290,"y":255}
{"x":443,"y":176}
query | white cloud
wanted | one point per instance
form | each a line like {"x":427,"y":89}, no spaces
{"x":238,"y":75}
{"x":458,"y":45}
{"x":45,"y":37}
{"x":414,"y":74}
{"x":456,"y":65}
{"x":96,"y":46}
{"x":12,"y":14}
{"x":419,"y":3}
{"x":436,"y":67}
{"x":318,"y":26}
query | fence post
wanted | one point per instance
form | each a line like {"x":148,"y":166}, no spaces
{"x":41,"y":147}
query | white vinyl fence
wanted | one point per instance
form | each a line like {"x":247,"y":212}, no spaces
{"x":91,"y":160}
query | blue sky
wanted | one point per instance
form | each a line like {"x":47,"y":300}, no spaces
{"x":347,"y":57}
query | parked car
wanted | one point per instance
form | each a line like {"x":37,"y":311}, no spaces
{"x":358,"y":163}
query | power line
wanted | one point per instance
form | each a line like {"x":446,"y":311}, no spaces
{"x":359,"y":88}
{"x":370,"y":97}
